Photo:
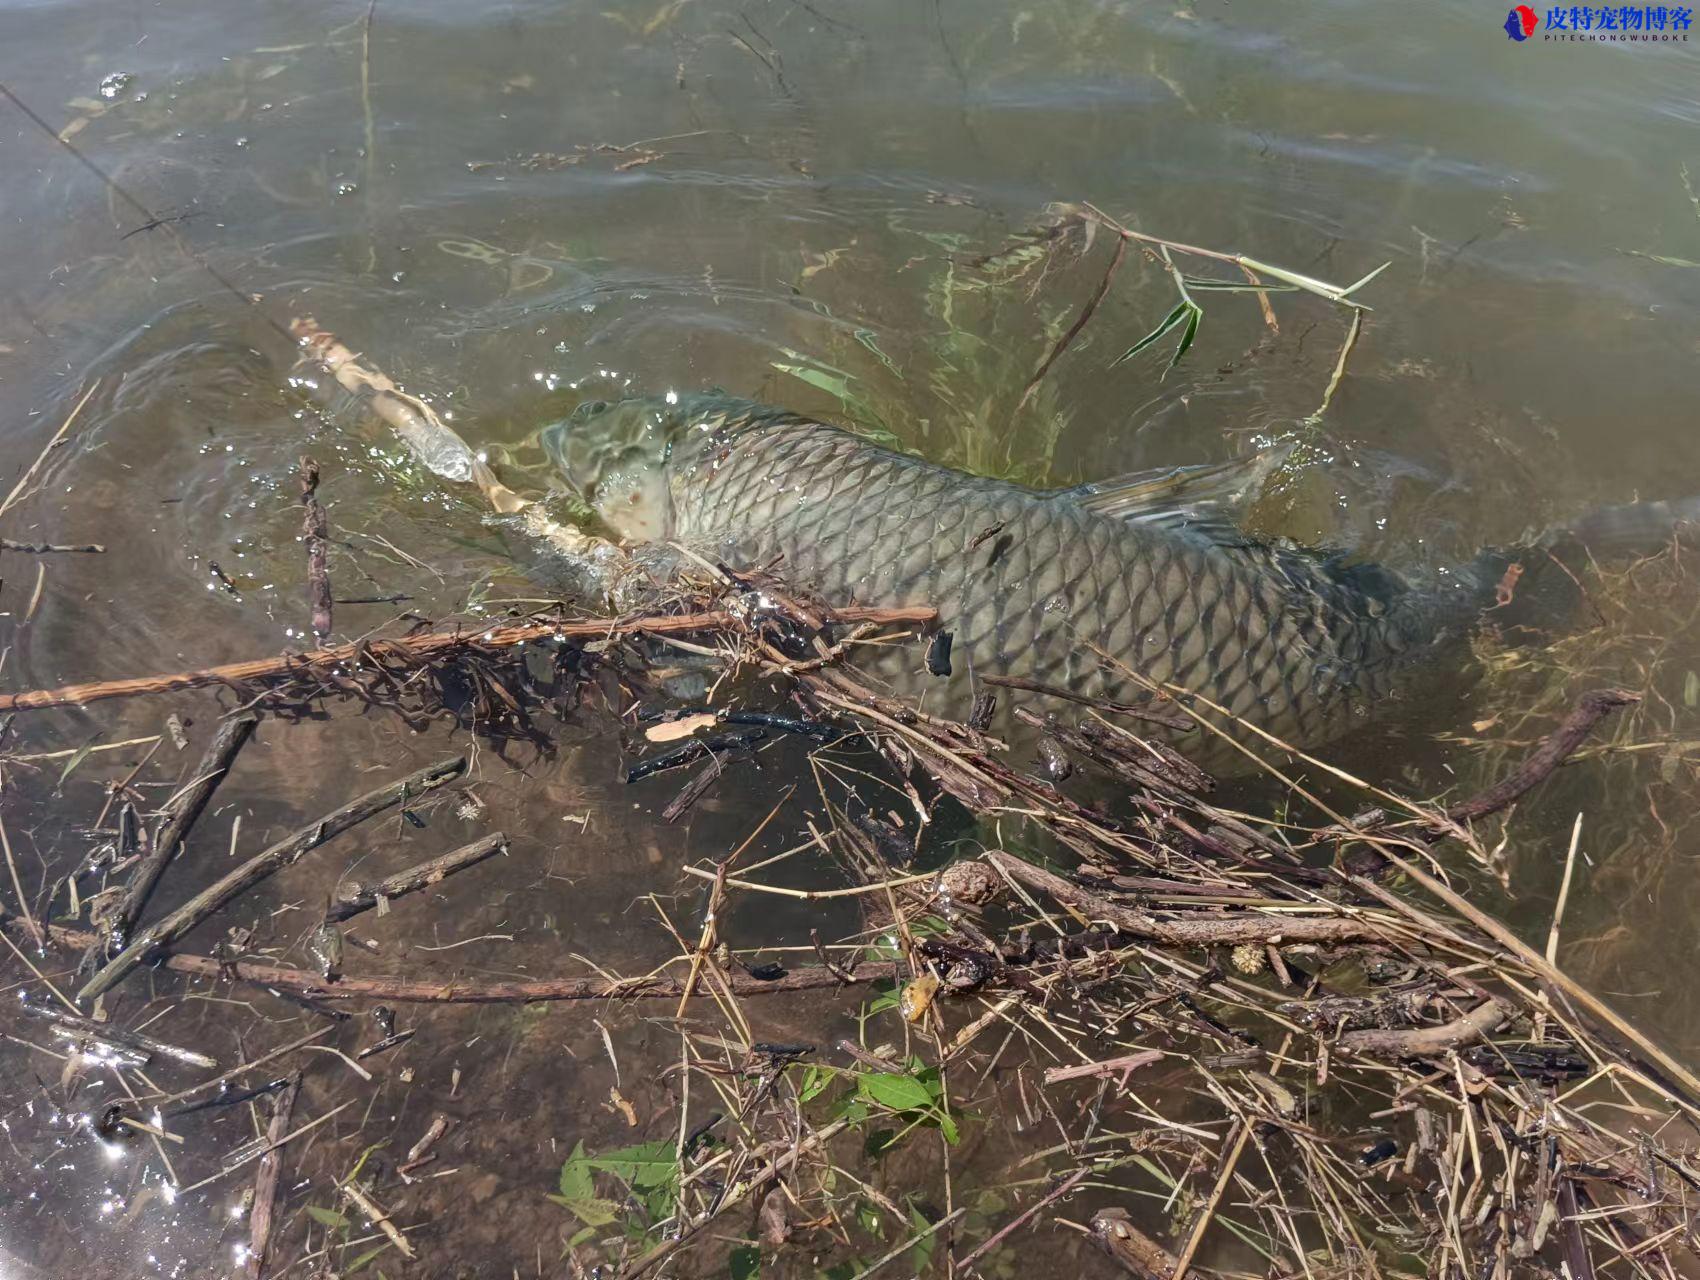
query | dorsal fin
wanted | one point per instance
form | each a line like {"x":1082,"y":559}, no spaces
{"x":1209,"y":500}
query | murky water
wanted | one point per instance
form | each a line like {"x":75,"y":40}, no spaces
{"x":514,"y":207}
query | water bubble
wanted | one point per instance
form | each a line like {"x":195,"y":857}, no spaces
{"x":114,"y":85}
{"x":242,"y":142}
{"x":346,"y":188}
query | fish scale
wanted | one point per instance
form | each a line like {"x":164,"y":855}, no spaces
{"x":1032,"y":583}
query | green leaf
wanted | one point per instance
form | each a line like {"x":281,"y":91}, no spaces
{"x":884,"y":1001}
{"x":744,"y":1262}
{"x":921,"y":1256}
{"x":947,"y":1126}
{"x":1169,"y":322}
{"x":868,"y":1218}
{"x":576,"y":1183}
{"x":580,"y":1236}
{"x":590,"y":1210}
{"x":77,"y":757}
{"x":898,"y":1092}
{"x":1191,"y":332}
{"x":364,"y":1258}
{"x":1691,"y":690}
{"x":327,"y":1217}
{"x":1350,"y":289}
{"x":647,"y":1165}
{"x":1238,"y":286}
{"x":815,"y":1082}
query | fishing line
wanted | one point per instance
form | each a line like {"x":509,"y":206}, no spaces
{"x":154,"y":221}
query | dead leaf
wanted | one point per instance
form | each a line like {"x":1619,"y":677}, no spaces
{"x":673,"y":730}
{"x":775,"y":1218}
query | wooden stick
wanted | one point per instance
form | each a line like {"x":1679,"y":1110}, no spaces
{"x":284,"y":853}
{"x":1553,"y":752}
{"x":267,"y":1179}
{"x":1426,"y":1042}
{"x":1109,"y":1067}
{"x":1211,"y":930}
{"x":75,"y":1024}
{"x":190,"y":803}
{"x":1196,"y":1237}
{"x":403,"y":991}
{"x":1021,"y":1219}
{"x":358,"y":898}
{"x":45,"y":548}
{"x":1688,"y":1082}
{"x":420,"y":648}
{"x":898,"y":1251}
{"x":357,"y":1196}
{"x":23,"y":480}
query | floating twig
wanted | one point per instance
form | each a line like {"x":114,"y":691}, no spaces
{"x":362,"y":1200}
{"x":1426,"y":1042}
{"x":284,"y":853}
{"x":267,"y":1179}
{"x":1554,"y":751}
{"x":76,"y":1025}
{"x":352,"y":899}
{"x":431,"y":646}
{"x":1024,"y":1217}
{"x":46,"y":548}
{"x":186,"y":809}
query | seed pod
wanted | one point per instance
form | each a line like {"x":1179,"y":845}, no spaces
{"x":1250,"y":959}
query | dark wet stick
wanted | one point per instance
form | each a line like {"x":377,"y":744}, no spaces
{"x":693,"y":750}
{"x":284,"y":853}
{"x":316,"y":533}
{"x":1553,"y":752}
{"x":76,"y":1025}
{"x":267,"y":1179}
{"x":1171,"y":720}
{"x":220,"y":754}
{"x":694,"y":790}
{"x":351,"y":900}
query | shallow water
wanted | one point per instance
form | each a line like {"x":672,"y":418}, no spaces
{"x":511,"y":208}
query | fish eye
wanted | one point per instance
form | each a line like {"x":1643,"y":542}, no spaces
{"x":596,"y":406}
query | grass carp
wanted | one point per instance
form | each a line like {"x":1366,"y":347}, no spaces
{"x":1078,"y":587}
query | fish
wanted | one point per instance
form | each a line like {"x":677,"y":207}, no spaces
{"x":1125,"y":589}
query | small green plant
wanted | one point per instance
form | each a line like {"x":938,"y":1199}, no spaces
{"x":649,"y":1172}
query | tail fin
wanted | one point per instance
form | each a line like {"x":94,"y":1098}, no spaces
{"x":1531,"y":592}
{"x":1630,"y":528}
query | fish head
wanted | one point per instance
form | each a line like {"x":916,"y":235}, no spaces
{"x":625,"y":457}
{"x":614,"y":454}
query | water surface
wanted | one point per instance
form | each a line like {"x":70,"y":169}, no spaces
{"x":513,"y":207}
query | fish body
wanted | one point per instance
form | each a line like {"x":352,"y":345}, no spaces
{"x":1100,"y":589}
